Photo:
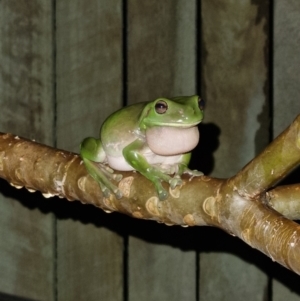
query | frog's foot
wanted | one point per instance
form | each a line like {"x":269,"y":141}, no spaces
{"x":110,"y":188}
{"x":103,"y":175}
{"x":105,"y":183}
{"x":162,"y":193}
{"x":193,"y":173}
{"x":156,"y":176}
{"x":109,"y":173}
{"x":175,"y":181}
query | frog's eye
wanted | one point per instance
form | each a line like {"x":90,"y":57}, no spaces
{"x":201,"y":104}
{"x":161,"y":107}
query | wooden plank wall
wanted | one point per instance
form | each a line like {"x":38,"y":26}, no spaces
{"x":66,"y":65}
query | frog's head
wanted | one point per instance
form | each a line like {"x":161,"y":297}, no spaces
{"x":182,"y":112}
{"x":171,"y":124}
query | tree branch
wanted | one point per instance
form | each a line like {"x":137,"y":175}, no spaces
{"x":286,"y":200}
{"x":278,"y":159}
{"x":236,"y":205}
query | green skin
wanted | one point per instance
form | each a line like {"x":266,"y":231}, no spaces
{"x":155,"y":138}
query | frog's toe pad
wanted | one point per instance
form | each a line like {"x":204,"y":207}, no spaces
{"x":194,"y":173}
{"x":176,"y":181}
{"x":118,"y":194}
{"x":162,"y":195}
{"x":107,"y":168}
{"x":106,"y":192}
{"x":117,"y":177}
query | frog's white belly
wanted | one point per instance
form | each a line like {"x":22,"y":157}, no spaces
{"x":165,"y":162}
{"x":163,"y":147}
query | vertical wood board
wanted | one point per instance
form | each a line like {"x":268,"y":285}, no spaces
{"x":161,"y":62}
{"x":286,"y":106}
{"x":286,"y":63}
{"x":89,"y":88}
{"x":89,"y":262}
{"x":161,"y":49}
{"x":230,"y":278}
{"x":26,"y":69}
{"x":160,"y":272}
{"x":89,"y":67}
{"x":26,"y":100}
{"x":235,"y":79}
{"x":234,"y":83}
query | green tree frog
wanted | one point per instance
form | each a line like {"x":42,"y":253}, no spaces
{"x":155,"y":138}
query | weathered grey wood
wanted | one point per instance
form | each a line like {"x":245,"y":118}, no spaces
{"x":161,"y":62}
{"x":282,"y":291}
{"x":89,"y":262}
{"x":286,"y":63}
{"x":89,"y":87}
{"x":26,"y":101}
{"x":286,"y":104}
{"x":159,"y":272}
{"x":161,"y":49}
{"x":89,"y":67}
{"x":230,"y":278}
{"x":234,"y":85}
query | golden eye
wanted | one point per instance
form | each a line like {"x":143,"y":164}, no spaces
{"x":161,"y":107}
{"x":201,"y":104}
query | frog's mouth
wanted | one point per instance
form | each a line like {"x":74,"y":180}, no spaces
{"x":171,"y":140}
{"x":177,"y":125}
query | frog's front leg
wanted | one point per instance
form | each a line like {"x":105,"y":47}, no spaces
{"x":183,"y":168}
{"x":132,"y":154}
{"x":92,"y":154}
